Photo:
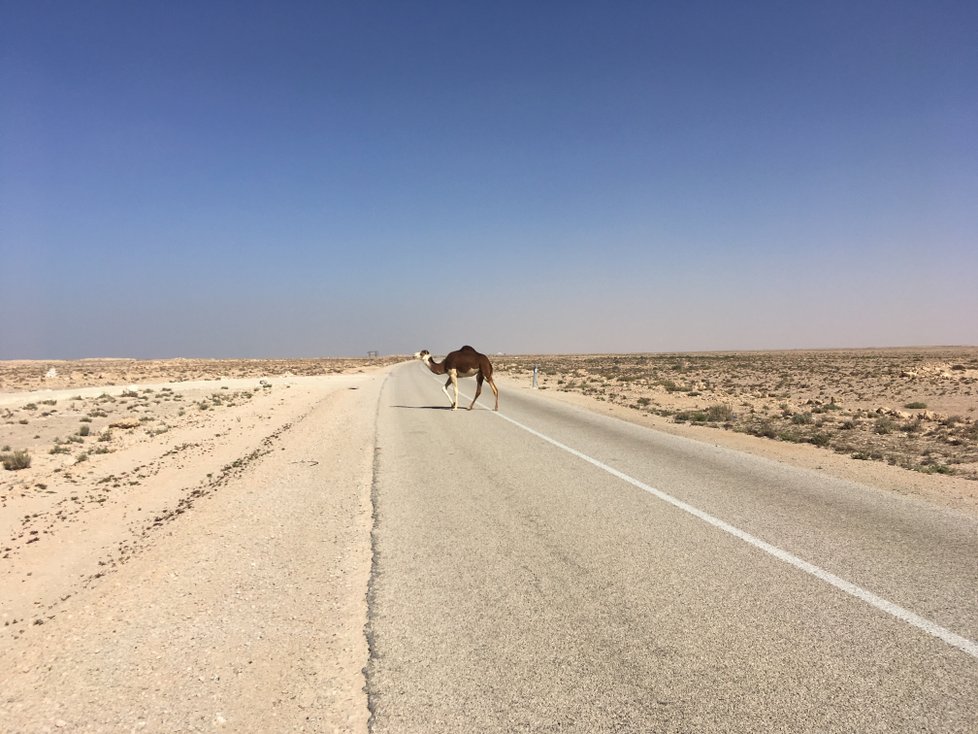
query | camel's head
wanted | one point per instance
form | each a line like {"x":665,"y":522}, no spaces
{"x":424,"y":355}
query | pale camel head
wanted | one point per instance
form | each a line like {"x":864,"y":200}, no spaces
{"x":424,"y":355}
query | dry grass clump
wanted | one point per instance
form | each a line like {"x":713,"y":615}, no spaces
{"x":15,"y":460}
{"x":838,"y":400}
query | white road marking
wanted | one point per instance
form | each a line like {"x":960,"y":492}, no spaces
{"x":951,"y":638}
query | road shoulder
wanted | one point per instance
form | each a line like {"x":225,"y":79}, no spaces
{"x":247,"y":611}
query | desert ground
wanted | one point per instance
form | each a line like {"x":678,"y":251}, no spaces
{"x":192,"y":537}
{"x":121,"y":477}
{"x":910,"y":408}
{"x":25,"y":375}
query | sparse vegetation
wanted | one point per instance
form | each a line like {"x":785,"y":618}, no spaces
{"x":719,"y":413}
{"x":884,"y":425}
{"x":820,"y":439}
{"x":833,"y":400}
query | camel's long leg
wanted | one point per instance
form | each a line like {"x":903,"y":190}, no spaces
{"x":454,"y":379}
{"x":445,"y":390}
{"x":494,"y":392}
{"x":478,"y":389}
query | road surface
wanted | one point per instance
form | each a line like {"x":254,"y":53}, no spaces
{"x":549,"y":569}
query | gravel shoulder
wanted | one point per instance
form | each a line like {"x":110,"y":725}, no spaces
{"x":225,"y":587}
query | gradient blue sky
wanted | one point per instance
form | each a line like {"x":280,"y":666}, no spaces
{"x":243,"y":179}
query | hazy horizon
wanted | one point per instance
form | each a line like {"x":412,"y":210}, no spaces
{"x":437,"y":354}
{"x":248,"y":180}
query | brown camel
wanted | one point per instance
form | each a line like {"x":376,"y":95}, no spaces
{"x":464,"y":362}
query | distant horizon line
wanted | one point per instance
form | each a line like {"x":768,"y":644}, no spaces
{"x":914,"y":347}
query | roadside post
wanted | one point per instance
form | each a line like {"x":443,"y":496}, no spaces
{"x":534,"y":377}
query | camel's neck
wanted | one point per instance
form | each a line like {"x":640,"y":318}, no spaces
{"x":438,"y":369}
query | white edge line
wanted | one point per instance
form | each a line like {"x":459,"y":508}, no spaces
{"x":951,"y":638}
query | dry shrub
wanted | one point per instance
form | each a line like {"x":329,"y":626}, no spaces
{"x":16,"y":460}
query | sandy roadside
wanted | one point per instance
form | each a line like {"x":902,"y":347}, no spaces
{"x":134,"y":613}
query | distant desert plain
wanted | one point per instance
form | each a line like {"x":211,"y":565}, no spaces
{"x":912,"y":408}
{"x":106,"y":460}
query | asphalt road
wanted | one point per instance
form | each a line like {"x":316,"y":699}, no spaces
{"x":547,"y":569}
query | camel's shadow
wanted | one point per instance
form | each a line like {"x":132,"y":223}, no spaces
{"x":423,"y":407}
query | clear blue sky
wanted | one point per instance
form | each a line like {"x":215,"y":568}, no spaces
{"x":226,"y":179}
